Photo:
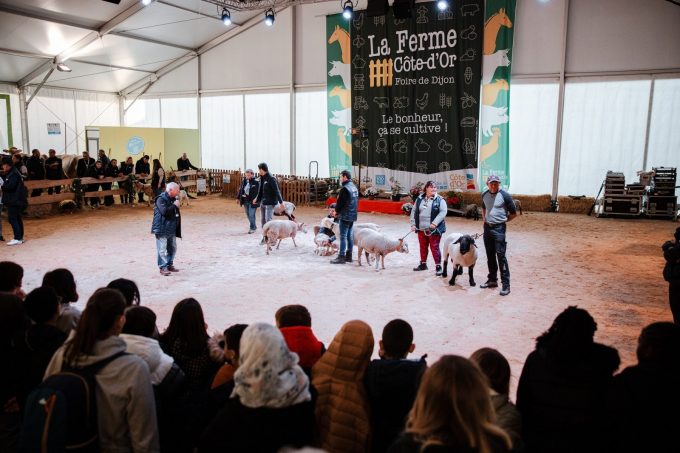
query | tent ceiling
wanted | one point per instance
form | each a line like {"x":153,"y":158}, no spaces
{"x":33,"y":32}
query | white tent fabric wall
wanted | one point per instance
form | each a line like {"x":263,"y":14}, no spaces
{"x":4,"y":135}
{"x":48,"y":107}
{"x":664,"y":133}
{"x":94,"y":109}
{"x":268,"y":131}
{"x":143,"y":113}
{"x":311,"y":133}
{"x":179,"y":112}
{"x":222,"y":140}
{"x":604,"y":129}
{"x":533,"y":109}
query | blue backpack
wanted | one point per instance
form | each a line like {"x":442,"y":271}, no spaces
{"x":61,"y":413}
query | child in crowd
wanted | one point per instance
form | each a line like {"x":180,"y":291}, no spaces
{"x":11,"y":278}
{"x":497,"y":370}
{"x":129,"y":290}
{"x":64,"y":284}
{"x":295,"y":324}
{"x":392,"y":383}
{"x":232,"y":343}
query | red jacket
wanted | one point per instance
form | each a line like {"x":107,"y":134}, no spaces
{"x":301,"y":340}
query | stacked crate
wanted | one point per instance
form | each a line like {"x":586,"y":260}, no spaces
{"x":617,"y":200}
{"x":661,"y":200}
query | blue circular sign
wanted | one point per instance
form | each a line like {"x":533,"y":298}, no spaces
{"x":135,"y":145}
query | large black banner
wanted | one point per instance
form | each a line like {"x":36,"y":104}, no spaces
{"x":415,"y":90}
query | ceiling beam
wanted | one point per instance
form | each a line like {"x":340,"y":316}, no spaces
{"x":153,"y":78}
{"x":150,"y":40}
{"x":189,"y":10}
{"x":112,"y":66}
{"x":19,"y":53}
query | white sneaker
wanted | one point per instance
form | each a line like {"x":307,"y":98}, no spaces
{"x":15,"y":242}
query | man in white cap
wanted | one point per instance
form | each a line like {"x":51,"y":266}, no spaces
{"x":498,"y":208}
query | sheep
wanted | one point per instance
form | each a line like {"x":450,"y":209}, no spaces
{"x":183,"y":197}
{"x":518,"y":206}
{"x":280,"y":229}
{"x":324,"y":246}
{"x":360,"y":226}
{"x":462,"y":250}
{"x":370,"y":241}
{"x":472,"y":211}
{"x":286,"y":209}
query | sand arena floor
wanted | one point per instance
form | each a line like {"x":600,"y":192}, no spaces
{"x":610,"y":267}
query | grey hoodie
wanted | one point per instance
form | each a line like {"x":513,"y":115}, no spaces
{"x":125,"y":401}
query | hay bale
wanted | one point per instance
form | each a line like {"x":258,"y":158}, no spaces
{"x":575,"y":205}
{"x":539,"y":203}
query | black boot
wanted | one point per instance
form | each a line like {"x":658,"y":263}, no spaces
{"x":420,"y":267}
{"x":489,"y":284}
{"x":339,"y":260}
{"x":348,"y":257}
{"x":505,"y":290}
{"x":438,"y":271}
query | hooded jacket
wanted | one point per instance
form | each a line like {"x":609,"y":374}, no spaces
{"x":166,"y":217}
{"x":35,"y":349}
{"x":301,"y":340}
{"x":125,"y":401}
{"x":150,"y":351}
{"x":391,"y":386}
{"x":342,"y":411}
{"x":14,"y":190}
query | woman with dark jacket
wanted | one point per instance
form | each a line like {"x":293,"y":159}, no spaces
{"x":247,"y":193}
{"x":671,"y":273}
{"x":157,"y":178}
{"x":97,"y":172}
{"x":111,"y":171}
{"x":268,"y":195}
{"x":563,"y":385}
{"x":14,"y":198}
{"x":126,"y":168}
{"x":428,"y":219}
{"x":271,"y":406}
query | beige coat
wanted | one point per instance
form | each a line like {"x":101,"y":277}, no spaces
{"x":342,"y":410}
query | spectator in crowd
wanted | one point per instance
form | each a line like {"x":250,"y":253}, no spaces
{"x":125,"y":401}
{"x":271,"y":407}
{"x":13,"y":324}
{"x":295,"y":324}
{"x":452,"y":412}
{"x":18,"y":162}
{"x":14,"y":198}
{"x":54,"y":170}
{"x":392,"y":383}
{"x":110,"y":171}
{"x":184,"y":164}
{"x":63,"y":282}
{"x":129,"y":289}
{"x":346,"y":209}
{"x":167,"y":226}
{"x":671,"y":273}
{"x":496,"y":368}
{"x":11,"y":278}
{"x":2,"y":181}
{"x":41,"y":339}
{"x":268,"y":195}
{"x":232,"y":352}
{"x":428,"y":218}
{"x":157,"y":178}
{"x":563,"y":385}
{"x":642,"y":410}
{"x":246,"y":194}
{"x":36,"y":170}
{"x":342,"y":410}
{"x":126,"y":168}
{"x":186,"y":340}
{"x":85,"y":165}
{"x":142,"y":170}
{"x":99,"y":173}
{"x":103,"y":158}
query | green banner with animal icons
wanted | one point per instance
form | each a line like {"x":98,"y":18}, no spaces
{"x":415,"y":90}
{"x":494,"y":150}
{"x":338,"y":51}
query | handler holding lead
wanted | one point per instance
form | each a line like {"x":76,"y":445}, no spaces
{"x":498,"y":208}
{"x":428,"y":217}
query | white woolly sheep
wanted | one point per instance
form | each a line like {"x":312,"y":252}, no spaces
{"x":280,"y":229}
{"x":324,"y":246}
{"x":287,"y":210}
{"x":462,"y":250}
{"x":370,"y":241}
{"x":360,"y":226}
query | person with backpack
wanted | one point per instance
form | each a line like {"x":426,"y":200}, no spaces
{"x":94,"y":353}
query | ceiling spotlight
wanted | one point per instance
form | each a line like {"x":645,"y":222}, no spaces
{"x":63,"y":67}
{"x":442,"y":5}
{"x":226,"y":17}
{"x":269,"y":17}
{"x":347,"y":9}
{"x":146,"y":2}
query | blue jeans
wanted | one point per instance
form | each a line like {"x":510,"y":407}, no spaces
{"x":495,"y":245}
{"x":346,"y":239}
{"x":267,"y":213}
{"x":166,"y":247}
{"x":14,"y":217}
{"x":250,"y":213}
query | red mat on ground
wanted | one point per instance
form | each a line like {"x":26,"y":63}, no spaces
{"x":384,"y":206}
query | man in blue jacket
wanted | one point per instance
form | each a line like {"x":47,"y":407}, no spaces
{"x":167,"y":226}
{"x":246,"y":194}
{"x":346,"y":208}
{"x":14,"y":198}
{"x":268,"y":195}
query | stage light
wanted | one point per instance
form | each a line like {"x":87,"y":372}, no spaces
{"x":269,"y":17}
{"x":226,"y":17}
{"x":348,"y":9}
{"x":63,"y":67}
{"x":442,"y":5}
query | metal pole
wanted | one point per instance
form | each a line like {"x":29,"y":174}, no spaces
{"x":23,"y":113}
{"x":560,"y":104}
{"x":293,"y":170}
{"x":649,"y":123}
{"x":245,"y":146}
{"x":198,"y":115}
{"x":47,"y":76}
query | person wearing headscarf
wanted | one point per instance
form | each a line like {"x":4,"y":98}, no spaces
{"x":271,"y":405}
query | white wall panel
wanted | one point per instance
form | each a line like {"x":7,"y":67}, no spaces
{"x":184,"y":78}
{"x":52,"y":106}
{"x":664,"y":134}
{"x":538,"y":37}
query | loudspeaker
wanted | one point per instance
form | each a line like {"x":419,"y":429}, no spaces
{"x":403,"y":9}
{"x":377,"y":8}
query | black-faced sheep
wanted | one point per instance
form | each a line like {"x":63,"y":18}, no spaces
{"x":462,"y":250}
{"x":277,"y":230}
{"x":370,"y":241}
